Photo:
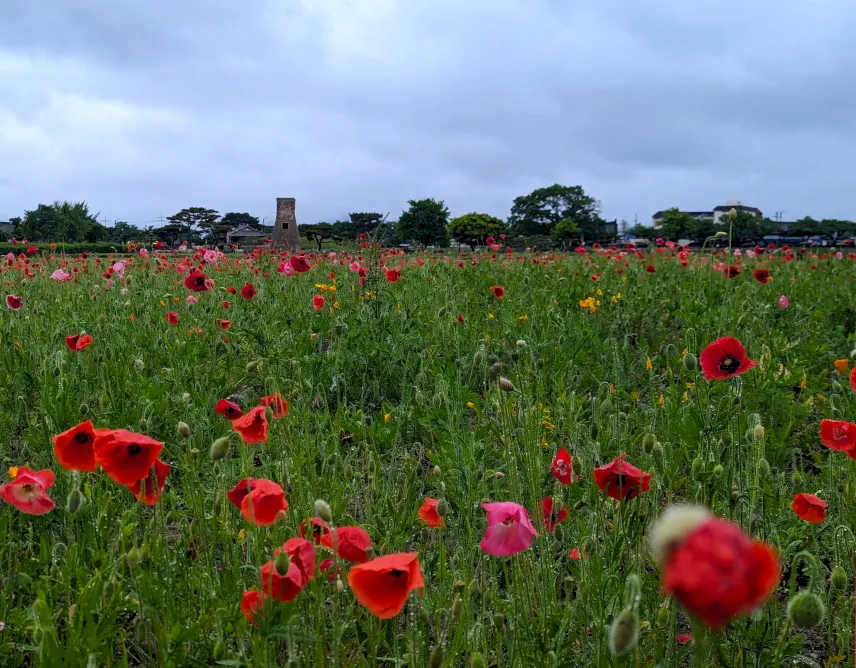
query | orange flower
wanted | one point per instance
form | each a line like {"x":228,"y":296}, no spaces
{"x":383,"y":584}
{"x":253,"y":427}
{"x":841,"y":366}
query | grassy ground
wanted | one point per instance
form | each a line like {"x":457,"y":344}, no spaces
{"x":393,"y":399}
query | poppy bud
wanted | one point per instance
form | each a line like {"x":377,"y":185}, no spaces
{"x":727,"y":439}
{"x":476,"y":661}
{"x":732,"y":214}
{"x":624,"y":633}
{"x":838,"y":579}
{"x":220,"y":448}
{"x":658,"y":450}
{"x":586,"y":546}
{"x":133,"y":557}
{"x":478,"y":357}
{"x":796,"y":477}
{"x":494,"y":369}
{"x":577,"y":466}
{"x":139,"y":365}
{"x":371,"y":466}
{"x":690,"y":362}
{"x":763,"y":469}
{"x":438,"y":400}
{"x":183,"y":430}
{"x":649,"y":442}
{"x":499,"y":475}
{"x":720,"y":234}
{"x":505,"y":385}
{"x":698,"y":466}
{"x":521,"y":343}
{"x":663,"y":616}
{"x":717,"y":470}
{"x":424,"y":617}
{"x":282,"y":563}
{"x":219,"y":650}
{"x":459,"y":586}
{"x":108,"y":591}
{"x":473,"y":589}
{"x":145,"y":553}
{"x":758,"y":432}
{"x":457,"y":607}
{"x":594,"y":430}
{"x":74,"y":501}
{"x":442,"y":508}
{"x":349,"y":471}
{"x":104,"y":401}
{"x":268,"y":413}
{"x":436,"y":471}
{"x":186,"y":398}
{"x":436,"y":659}
{"x":252,"y":365}
{"x":340,"y":586}
{"x":806,"y":610}
{"x":322,"y":510}
{"x":420,"y":398}
{"x":84,"y":409}
{"x":499,"y":620}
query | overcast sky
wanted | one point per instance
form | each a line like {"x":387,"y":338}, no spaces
{"x":142,"y":108}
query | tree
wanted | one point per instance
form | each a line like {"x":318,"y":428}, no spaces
{"x":747,"y":228}
{"x":174,"y":232}
{"x":641,"y":231}
{"x":234,"y":219}
{"x":677,"y":224}
{"x":542,"y":209}
{"x":473,"y":228}
{"x":566,"y":231}
{"x":424,"y":222}
{"x":123,"y":232}
{"x":60,"y":221}
{"x":96,"y":232}
{"x":320,"y":233}
{"x":205,"y":220}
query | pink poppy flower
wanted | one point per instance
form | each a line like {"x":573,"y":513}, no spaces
{"x":191,"y":300}
{"x":509,"y":529}
{"x":783,"y":302}
{"x":28,"y":491}
{"x":60,"y":275}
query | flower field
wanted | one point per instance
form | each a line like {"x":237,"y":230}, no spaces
{"x":369,"y":458}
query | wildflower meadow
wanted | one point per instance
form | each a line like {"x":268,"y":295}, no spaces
{"x":366,"y":457}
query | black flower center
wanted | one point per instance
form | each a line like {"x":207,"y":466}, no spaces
{"x":729,"y":365}
{"x":199,"y":281}
{"x":134,"y":450}
{"x":81,"y":438}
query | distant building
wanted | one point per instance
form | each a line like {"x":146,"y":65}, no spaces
{"x":610,"y":227}
{"x":714,"y":215}
{"x":242,"y":233}
{"x":6,"y":228}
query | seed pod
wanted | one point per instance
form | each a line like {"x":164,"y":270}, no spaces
{"x":658,"y":450}
{"x":84,"y":409}
{"x":763,"y":469}
{"x":624,"y":633}
{"x":838,"y":579}
{"x":476,"y":661}
{"x":182,"y":429}
{"x":796,"y":478}
{"x":252,"y":365}
{"x":505,"y":385}
{"x":648,"y":443}
{"x":520,"y":343}
{"x":690,"y":362}
{"x":442,"y":507}
{"x":758,"y":432}
{"x":220,"y":448}
{"x":420,"y":398}
{"x":499,"y":620}
{"x":436,"y":659}
{"x":268,"y":413}
{"x":133,"y":557}
{"x":457,"y":607}
{"x":139,"y":365}
{"x":186,"y":398}
{"x":282,"y":563}
{"x":494,"y":369}
{"x":727,"y":439}
{"x":322,"y":510}
{"x":806,"y":610}
{"x":459,"y":586}
{"x":436,"y":470}
{"x":698,"y":466}
{"x":663,"y":615}
{"x":75,"y":499}
{"x":145,"y":553}
{"x":717,"y":470}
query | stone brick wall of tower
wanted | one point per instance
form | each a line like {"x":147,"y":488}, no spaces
{"x":285,"y":233}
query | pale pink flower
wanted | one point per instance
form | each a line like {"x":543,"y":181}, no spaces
{"x":670,"y":245}
{"x":191,"y":300}
{"x":143,"y":253}
{"x":332,"y":255}
{"x":750,"y":253}
{"x":119,"y":268}
{"x":60,"y":275}
{"x":737,"y":252}
{"x":123,"y":291}
{"x":783,"y":302}
{"x":211,"y":257}
{"x":109,"y":282}
{"x":10,"y":257}
{"x":285,"y":268}
{"x":509,"y":530}
{"x":839,"y":255}
{"x":354,"y":266}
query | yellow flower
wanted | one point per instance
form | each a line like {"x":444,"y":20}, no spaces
{"x":241,"y":535}
{"x":13,"y":472}
{"x":614,"y":300}
{"x":544,"y":439}
{"x":335,"y":304}
{"x":619,"y":294}
{"x":612,"y":388}
{"x":599,"y":292}
{"x":841,"y":366}
{"x":490,"y":316}
{"x":684,"y":352}
{"x":648,"y":365}
{"x":523,"y":318}
{"x":487,"y":338}
{"x":332,"y":288}
{"x":175,"y":300}
{"x":547,"y":424}
{"x":321,"y":287}
{"x":314,"y":336}
{"x":661,"y":400}
{"x":803,"y":382}
{"x":398,"y":307}
{"x":162,"y":302}
{"x":471,"y":405}
{"x":686,"y":397}
{"x":387,"y":417}
{"x":635,"y":396}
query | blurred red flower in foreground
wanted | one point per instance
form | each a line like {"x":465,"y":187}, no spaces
{"x":28,"y":491}
{"x":317,"y":527}
{"x":383,"y":584}
{"x":251,"y":602}
{"x":299,"y":264}
{"x":318,"y":302}
{"x":125,"y":456}
{"x":708,"y":564}
{"x":252,"y":427}
{"x":810,"y":508}
{"x":195,"y":281}
{"x":428,"y":514}
{"x":351,"y":543}
{"x":761,"y":275}
{"x":78,"y":342}
{"x":74,"y":447}
{"x":550,"y":516}
{"x":171,"y":318}
{"x":838,"y":434}
{"x":264,"y":503}
{"x":724,"y":358}
{"x":239,"y":491}
{"x":392,"y":275}
{"x":620,"y":480}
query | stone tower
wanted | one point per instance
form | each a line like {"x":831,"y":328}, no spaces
{"x":285,"y":234}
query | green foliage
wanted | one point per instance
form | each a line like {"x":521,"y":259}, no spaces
{"x":58,"y":248}
{"x":320,"y":233}
{"x":566,"y":230}
{"x":677,"y":224}
{"x":424,"y":222}
{"x":747,"y":227}
{"x":233,"y":220}
{"x":364,"y":223}
{"x":473,"y":228}
{"x":206,"y":221}
{"x":60,"y":221}
{"x":542,"y":209}
{"x":642,"y":231}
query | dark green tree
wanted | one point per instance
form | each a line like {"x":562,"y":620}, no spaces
{"x":677,"y":224}
{"x":97,"y":232}
{"x":320,"y":233}
{"x":365,"y":223}
{"x":473,"y":228}
{"x":206,"y":221}
{"x":541,"y":210}
{"x":642,"y":231}
{"x":234,"y":219}
{"x":60,"y":222}
{"x":123,"y":232}
{"x":566,"y":231}
{"x":747,"y":228}
{"x":174,"y":232}
{"x":424,"y":222}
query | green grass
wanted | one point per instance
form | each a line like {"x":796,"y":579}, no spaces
{"x":70,"y":593}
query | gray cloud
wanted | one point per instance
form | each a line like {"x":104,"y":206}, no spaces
{"x":145,"y":108}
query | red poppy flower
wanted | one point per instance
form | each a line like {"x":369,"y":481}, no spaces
{"x":724,"y":358}
{"x":575,"y":554}
{"x":232,"y":290}
{"x":460,"y":317}
{"x":383,"y":584}
{"x":684,"y":638}
{"x":318,"y":528}
{"x":299,"y":264}
{"x":498,"y":291}
{"x":761,"y":275}
{"x":810,"y":508}
{"x":239,"y":491}
{"x":228,"y":409}
{"x":150,"y":489}
{"x":125,"y":456}
{"x":550,"y":516}
{"x":853,"y":378}
{"x":13,"y":302}
{"x":352,"y":543}
{"x":562,"y":467}
{"x":302,"y":553}
{"x":392,"y":275}
{"x":732,"y":271}
{"x":78,"y":342}
{"x":74,"y":448}
{"x":282,"y":588}
{"x":195,"y":281}
{"x":252,"y":427}
{"x":318,"y":302}
{"x":171,"y":318}
{"x":28,"y":491}
{"x":838,"y":434}
{"x":252,"y":602}
{"x":620,"y":480}
{"x":718,"y":573}
{"x":428,"y":514}
{"x":225,"y":304}
{"x":277,"y":404}
{"x":224,"y":324}
{"x":264,"y":503}
{"x":248,"y":291}
{"x":650,"y":269}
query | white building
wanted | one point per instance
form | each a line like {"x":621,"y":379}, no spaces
{"x":714,"y":215}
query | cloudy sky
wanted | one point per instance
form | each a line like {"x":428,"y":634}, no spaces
{"x":143,"y":108}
